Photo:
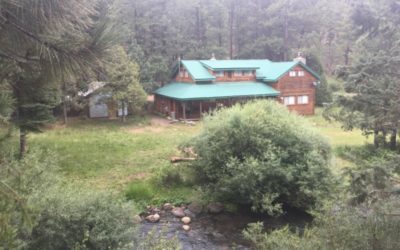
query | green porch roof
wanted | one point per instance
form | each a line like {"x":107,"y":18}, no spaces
{"x":266,"y":70}
{"x":218,"y":90}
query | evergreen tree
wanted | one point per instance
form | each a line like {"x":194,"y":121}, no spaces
{"x":372,"y":83}
{"x":44,"y":40}
{"x":123,"y":76}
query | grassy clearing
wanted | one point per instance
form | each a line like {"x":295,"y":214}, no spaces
{"x":108,"y":154}
{"x":128,"y":158}
{"x":338,"y":138}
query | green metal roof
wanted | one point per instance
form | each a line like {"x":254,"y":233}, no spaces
{"x":197,"y":71}
{"x":191,"y":91}
{"x":265,"y":69}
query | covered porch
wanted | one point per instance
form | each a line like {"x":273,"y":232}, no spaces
{"x":189,"y":101}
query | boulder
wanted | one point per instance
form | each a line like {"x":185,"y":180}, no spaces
{"x":167,"y":206}
{"x":178,"y":212}
{"x":186,"y":227}
{"x":153,"y":218}
{"x":137,"y":219}
{"x":215,"y":207}
{"x":196,"y":208}
{"x":189,"y":213}
{"x":186,"y":220}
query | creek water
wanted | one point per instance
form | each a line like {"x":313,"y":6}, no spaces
{"x":220,"y":231}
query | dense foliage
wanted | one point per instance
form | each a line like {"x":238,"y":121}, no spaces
{"x":37,"y":211}
{"x":70,"y":218}
{"x":366,"y":217}
{"x":348,"y":228}
{"x":123,"y":81}
{"x":160,"y":31}
{"x":372,"y":99}
{"x":262,"y":155}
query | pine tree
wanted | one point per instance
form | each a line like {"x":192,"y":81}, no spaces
{"x":43,"y":41}
{"x":123,"y":82}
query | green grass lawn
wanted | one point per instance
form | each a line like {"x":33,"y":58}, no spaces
{"x":124,"y":157}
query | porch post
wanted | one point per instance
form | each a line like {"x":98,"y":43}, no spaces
{"x":184,"y":110}
{"x":201,"y":109}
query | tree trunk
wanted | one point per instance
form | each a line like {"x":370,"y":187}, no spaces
{"x":347,"y":55}
{"x":123,"y":111}
{"x":65,"y":111}
{"x":376,"y":138}
{"x":22,"y":143}
{"x":286,"y":35}
{"x":231,"y":17}
{"x":393,"y":139}
{"x":384,"y":135}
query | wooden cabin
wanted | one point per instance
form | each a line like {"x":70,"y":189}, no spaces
{"x":200,"y":86}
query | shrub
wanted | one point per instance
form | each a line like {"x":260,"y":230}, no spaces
{"x":260,"y":154}
{"x":139,"y":191}
{"x":72,"y":219}
{"x":348,"y":228}
{"x":169,"y":177}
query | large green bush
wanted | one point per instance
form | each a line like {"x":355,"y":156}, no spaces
{"x":260,"y":154}
{"x":73,"y":219}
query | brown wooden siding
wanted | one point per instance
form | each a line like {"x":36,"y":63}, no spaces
{"x":298,"y":86}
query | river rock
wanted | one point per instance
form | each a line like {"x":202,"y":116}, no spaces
{"x":189,"y":213}
{"x":167,"y":206}
{"x":186,"y":220}
{"x":178,"y":212}
{"x":153,"y":218}
{"x":137,"y":219}
{"x":215,"y":207}
{"x":195,"y":208}
{"x":186,"y":227}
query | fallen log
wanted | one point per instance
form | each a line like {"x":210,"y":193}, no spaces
{"x":181,"y":159}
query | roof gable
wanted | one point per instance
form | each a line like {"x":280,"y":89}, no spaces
{"x":197,"y":71}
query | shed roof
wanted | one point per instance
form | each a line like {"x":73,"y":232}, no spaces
{"x":190,"y":91}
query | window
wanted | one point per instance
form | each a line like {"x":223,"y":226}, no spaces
{"x":300,"y":73}
{"x":183,"y":73}
{"x":292,"y":73}
{"x":303,"y":99}
{"x":237,"y":73}
{"x":219,"y":73}
{"x":289,"y":100}
{"x":248,"y":73}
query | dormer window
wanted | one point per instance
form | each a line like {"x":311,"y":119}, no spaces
{"x":237,"y":73}
{"x":292,"y":73}
{"x":300,"y":73}
{"x":247,"y":73}
{"x":219,"y":73}
{"x":183,"y":74}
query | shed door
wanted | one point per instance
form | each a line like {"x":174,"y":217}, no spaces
{"x":97,"y":108}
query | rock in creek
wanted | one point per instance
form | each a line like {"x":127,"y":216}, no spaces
{"x":215,"y":207}
{"x":195,"y":208}
{"x":178,"y":212}
{"x":167,"y":206}
{"x":186,"y":220}
{"x":186,"y":227}
{"x":153,"y":218}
